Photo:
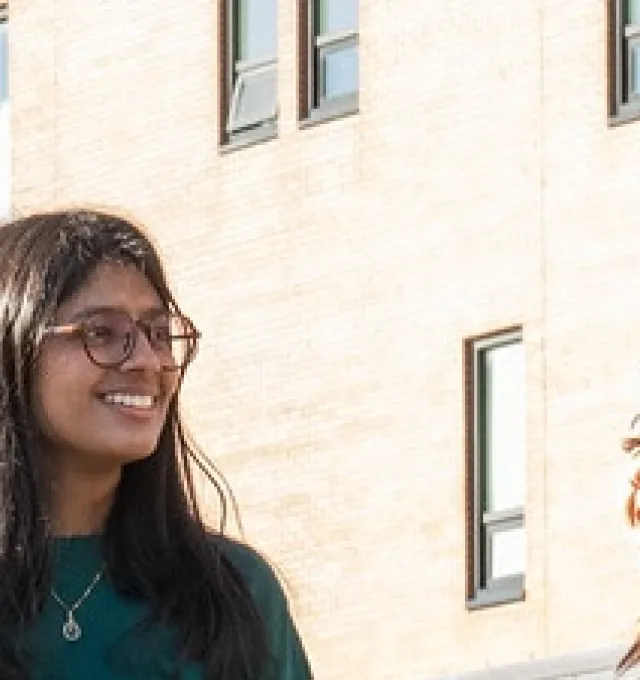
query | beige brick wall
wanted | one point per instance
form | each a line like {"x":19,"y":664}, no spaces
{"x":335,"y":272}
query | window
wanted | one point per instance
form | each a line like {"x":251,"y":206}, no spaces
{"x":625,"y":27}
{"x":5,"y":156}
{"x":329,"y":58}
{"x":496,"y":464}
{"x":249,"y":61}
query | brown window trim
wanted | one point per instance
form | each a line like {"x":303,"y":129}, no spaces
{"x":305,"y":63}
{"x":224,"y":59}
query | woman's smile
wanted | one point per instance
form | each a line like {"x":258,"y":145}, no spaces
{"x":133,"y":405}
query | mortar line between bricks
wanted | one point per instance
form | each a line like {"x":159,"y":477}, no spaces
{"x":56,"y":135}
{"x":544,"y":274}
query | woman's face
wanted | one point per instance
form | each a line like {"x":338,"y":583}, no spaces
{"x":96,"y":418}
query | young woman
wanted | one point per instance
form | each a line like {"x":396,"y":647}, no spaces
{"x":107,"y":571}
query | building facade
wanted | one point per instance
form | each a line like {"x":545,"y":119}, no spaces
{"x":5,"y":139}
{"x":408,"y":234}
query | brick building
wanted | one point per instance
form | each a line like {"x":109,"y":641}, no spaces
{"x":408,"y":233}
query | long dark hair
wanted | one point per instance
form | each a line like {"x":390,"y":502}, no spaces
{"x":154,"y":531}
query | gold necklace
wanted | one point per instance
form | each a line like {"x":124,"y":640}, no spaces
{"x":71,"y":630}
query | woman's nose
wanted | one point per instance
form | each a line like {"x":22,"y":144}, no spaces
{"x":143,"y":355}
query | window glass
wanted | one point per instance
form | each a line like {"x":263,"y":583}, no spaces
{"x":4,"y":59}
{"x":336,"y":16}
{"x":257,"y":29}
{"x":633,"y":11}
{"x":508,"y":555}
{"x":340,"y":72}
{"x":635,"y":70}
{"x":256,"y":97}
{"x":503,"y":428}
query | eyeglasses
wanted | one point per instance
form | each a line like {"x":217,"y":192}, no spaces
{"x":109,"y":337}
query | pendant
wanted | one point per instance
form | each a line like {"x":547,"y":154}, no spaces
{"x":71,"y":630}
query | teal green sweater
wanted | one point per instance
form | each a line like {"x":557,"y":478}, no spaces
{"x":110,"y":648}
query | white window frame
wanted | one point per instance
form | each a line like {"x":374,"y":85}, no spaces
{"x":239,"y":72}
{"x":632,"y":40}
{"x":483,"y":589}
{"x":244,"y":72}
{"x":625,"y":103}
{"x":319,"y":45}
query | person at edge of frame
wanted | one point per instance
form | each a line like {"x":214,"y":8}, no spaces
{"x":631,"y":445}
{"x":107,"y":570}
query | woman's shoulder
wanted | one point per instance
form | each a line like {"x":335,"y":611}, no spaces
{"x":288,"y":655}
{"x":244,"y":556}
{"x":256,"y":572}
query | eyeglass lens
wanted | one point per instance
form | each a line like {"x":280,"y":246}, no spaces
{"x":110,"y":337}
